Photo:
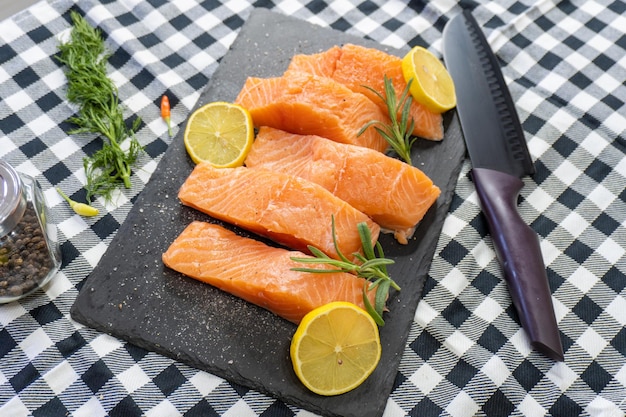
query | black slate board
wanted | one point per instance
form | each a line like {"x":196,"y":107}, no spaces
{"x":131,"y":295}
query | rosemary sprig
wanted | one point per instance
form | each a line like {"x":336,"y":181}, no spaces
{"x":99,"y":110}
{"x":398,"y":133}
{"x":372,"y":266}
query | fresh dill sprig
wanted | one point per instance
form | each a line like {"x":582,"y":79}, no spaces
{"x":372,"y":266}
{"x":99,"y":110}
{"x":399,"y":133}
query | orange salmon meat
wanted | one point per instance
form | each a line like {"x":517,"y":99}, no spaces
{"x":287,"y":209}
{"x":394,"y":194}
{"x":355,"y":67}
{"x":312,"y":105}
{"x":258,"y":273}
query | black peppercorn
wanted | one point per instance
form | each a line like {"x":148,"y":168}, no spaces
{"x":28,"y":256}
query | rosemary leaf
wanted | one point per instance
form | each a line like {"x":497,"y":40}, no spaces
{"x":398,"y":134}
{"x":371,"y":265}
{"x":378,"y":318}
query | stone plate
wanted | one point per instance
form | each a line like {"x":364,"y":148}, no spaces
{"x":133,"y":296}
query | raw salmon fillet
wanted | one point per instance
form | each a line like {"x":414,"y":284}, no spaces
{"x":258,"y":273}
{"x":287,"y":209}
{"x":357,"y":66}
{"x":307,"y":104}
{"x":394,"y":194}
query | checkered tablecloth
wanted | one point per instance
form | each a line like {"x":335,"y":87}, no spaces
{"x":565,"y":64}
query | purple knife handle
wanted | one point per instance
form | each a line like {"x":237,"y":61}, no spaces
{"x":518,"y":250}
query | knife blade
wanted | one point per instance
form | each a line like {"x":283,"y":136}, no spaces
{"x":499,"y":156}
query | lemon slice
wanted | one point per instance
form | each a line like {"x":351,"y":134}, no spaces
{"x":220,"y":133}
{"x":431,"y":83}
{"x":335,"y":348}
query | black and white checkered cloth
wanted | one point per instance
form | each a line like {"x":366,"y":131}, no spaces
{"x":565,"y":64}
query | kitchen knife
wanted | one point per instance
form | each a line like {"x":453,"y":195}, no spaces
{"x":499,"y":156}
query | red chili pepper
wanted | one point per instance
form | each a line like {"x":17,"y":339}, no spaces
{"x":165,"y":113}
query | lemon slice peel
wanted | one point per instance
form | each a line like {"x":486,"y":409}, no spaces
{"x":335,"y":348}
{"x":430,"y":82}
{"x":220,"y":133}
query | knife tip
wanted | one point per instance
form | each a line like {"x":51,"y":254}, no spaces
{"x":554,"y":353}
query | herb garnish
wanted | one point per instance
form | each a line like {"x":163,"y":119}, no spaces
{"x":99,"y":110}
{"x":372,"y":266}
{"x":398,"y":133}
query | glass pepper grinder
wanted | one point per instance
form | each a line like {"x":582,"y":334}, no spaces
{"x":29,"y":250}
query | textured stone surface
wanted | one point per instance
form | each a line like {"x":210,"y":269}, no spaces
{"x":131,"y":294}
